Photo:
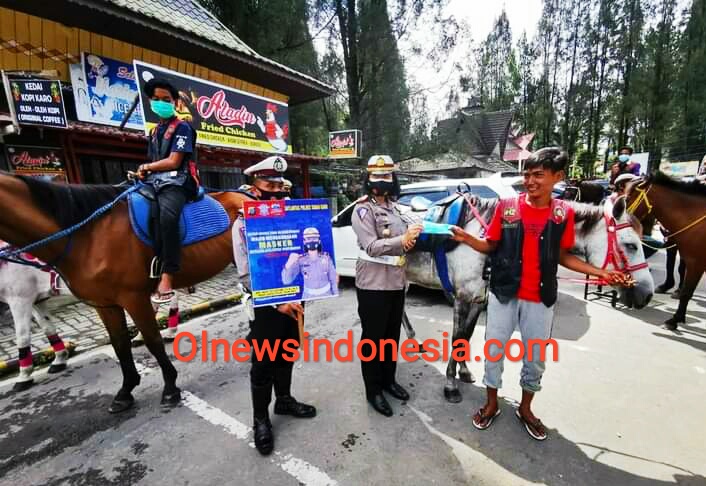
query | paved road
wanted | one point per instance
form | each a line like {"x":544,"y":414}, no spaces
{"x":624,"y":405}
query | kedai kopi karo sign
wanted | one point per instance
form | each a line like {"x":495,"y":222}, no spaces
{"x":35,"y":101}
{"x":290,"y":250}
{"x":104,"y":90}
{"x":344,"y":144}
{"x":221,"y":116}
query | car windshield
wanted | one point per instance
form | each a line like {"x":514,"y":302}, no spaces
{"x":433,"y":196}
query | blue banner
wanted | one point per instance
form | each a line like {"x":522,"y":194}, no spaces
{"x":290,"y":250}
{"x":106,"y":88}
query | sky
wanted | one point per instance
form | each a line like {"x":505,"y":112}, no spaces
{"x":479,"y":15}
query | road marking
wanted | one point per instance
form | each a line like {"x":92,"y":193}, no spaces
{"x":304,"y":472}
{"x":699,"y":369}
{"x":475,"y":465}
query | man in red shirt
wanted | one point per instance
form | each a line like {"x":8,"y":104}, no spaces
{"x":529,"y":236}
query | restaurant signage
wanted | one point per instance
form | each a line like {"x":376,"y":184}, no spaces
{"x":221,"y":116}
{"x":344,"y":144}
{"x":35,"y":101}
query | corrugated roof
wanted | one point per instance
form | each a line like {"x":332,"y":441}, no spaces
{"x":188,"y":15}
{"x":192,"y":17}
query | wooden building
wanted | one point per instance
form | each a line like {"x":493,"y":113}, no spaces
{"x":179,"y":35}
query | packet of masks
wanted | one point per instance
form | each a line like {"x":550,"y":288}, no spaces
{"x":436,"y":228}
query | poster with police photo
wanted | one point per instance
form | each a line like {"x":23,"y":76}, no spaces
{"x":290,"y":250}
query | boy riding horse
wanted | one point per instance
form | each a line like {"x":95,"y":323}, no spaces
{"x":173,"y":174}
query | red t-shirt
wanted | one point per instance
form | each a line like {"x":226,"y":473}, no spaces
{"x":533,"y":221}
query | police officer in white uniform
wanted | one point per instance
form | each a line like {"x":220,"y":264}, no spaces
{"x":315,"y":265}
{"x":268,"y":323}
{"x":383,"y":238}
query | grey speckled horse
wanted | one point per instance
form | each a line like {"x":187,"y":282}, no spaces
{"x":466,"y":272}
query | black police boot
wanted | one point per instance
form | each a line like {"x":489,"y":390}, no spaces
{"x":286,"y":404}
{"x":262,"y":427}
{"x":396,"y":390}
{"x":380,"y":404}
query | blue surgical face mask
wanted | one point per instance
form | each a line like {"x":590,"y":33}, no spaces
{"x":162,"y":109}
{"x":624,"y":158}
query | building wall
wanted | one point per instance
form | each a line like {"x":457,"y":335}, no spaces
{"x":32,"y":43}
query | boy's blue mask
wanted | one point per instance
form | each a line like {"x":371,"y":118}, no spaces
{"x":624,"y":158}
{"x":162,"y":109}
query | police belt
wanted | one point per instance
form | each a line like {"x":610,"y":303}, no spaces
{"x":320,"y":291}
{"x":395,"y":261}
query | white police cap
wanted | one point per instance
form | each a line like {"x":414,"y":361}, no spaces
{"x":270,"y":169}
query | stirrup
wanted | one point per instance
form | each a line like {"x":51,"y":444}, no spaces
{"x":156,"y":268}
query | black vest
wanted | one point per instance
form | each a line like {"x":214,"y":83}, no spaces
{"x":506,"y":260}
{"x":160,"y":147}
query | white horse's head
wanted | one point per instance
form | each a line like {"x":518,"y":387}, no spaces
{"x":594,"y":226}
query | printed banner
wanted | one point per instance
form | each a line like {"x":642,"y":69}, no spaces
{"x":35,"y":101}
{"x":104,"y":89}
{"x":44,"y":162}
{"x":222,"y":116}
{"x":290,"y":250}
{"x":344,"y":144}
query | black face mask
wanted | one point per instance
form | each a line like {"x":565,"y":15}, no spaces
{"x":383,"y":188}
{"x":267,"y":195}
{"x":312,"y":245}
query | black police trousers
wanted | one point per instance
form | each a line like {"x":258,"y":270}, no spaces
{"x":269,"y":326}
{"x":380,"y":313}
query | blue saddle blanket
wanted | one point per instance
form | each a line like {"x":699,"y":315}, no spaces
{"x":200,"y":220}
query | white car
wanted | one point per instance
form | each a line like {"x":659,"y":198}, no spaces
{"x":345,"y":241}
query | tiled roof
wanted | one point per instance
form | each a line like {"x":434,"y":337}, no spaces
{"x":192,"y":17}
{"x":188,"y":15}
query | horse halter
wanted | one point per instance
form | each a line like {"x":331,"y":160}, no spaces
{"x":615,"y":255}
{"x":642,"y":197}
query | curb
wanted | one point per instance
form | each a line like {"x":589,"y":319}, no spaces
{"x":46,"y":355}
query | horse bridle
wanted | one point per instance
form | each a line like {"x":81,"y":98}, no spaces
{"x":642,"y":197}
{"x":615,"y":255}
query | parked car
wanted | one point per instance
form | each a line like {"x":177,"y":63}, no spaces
{"x":346,"y":244}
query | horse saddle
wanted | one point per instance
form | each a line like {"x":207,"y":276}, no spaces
{"x":201,"y":219}
{"x":450,"y":210}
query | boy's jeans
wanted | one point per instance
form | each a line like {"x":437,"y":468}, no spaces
{"x":534,"y":320}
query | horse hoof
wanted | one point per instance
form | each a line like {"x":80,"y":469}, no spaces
{"x":57,"y":368}
{"x":171,"y":399}
{"x":453,"y":395}
{"x":21,"y":386}
{"x":467,"y":377}
{"x":120,"y":405}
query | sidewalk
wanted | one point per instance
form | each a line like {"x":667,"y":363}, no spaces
{"x":80,"y":323}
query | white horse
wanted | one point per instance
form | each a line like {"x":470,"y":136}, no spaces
{"x":29,"y":294}
{"x":26,"y":290}
{"x":466,"y":271}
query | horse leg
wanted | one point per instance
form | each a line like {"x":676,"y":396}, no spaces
{"x":466,"y":332}
{"x":142,"y":314}
{"x":21,"y":310}
{"x":172,"y":320}
{"x":451,"y":391}
{"x":45,"y":320}
{"x":114,"y":320}
{"x":691,"y":280}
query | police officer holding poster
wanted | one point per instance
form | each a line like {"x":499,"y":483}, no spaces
{"x":268,"y":323}
{"x":380,"y":280}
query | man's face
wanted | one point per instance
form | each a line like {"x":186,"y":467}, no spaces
{"x":162,"y":94}
{"x":539,"y":181}
{"x":262,"y":185}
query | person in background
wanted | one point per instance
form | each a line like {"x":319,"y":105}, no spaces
{"x":625,"y":165}
{"x":529,"y":236}
{"x":268,"y":323}
{"x":380,"y":278}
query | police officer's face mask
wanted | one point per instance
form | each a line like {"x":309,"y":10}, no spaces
{"x":382,"y":185}
{"x":312,"y":245}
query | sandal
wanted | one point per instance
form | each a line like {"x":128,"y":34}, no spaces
{"x":535,"y":429}
{"x":162,"y":298}
{"x":481,"y":421}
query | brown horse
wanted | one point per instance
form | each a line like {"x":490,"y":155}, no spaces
{"x":680,"y":207}
{"x":105,"y":264}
